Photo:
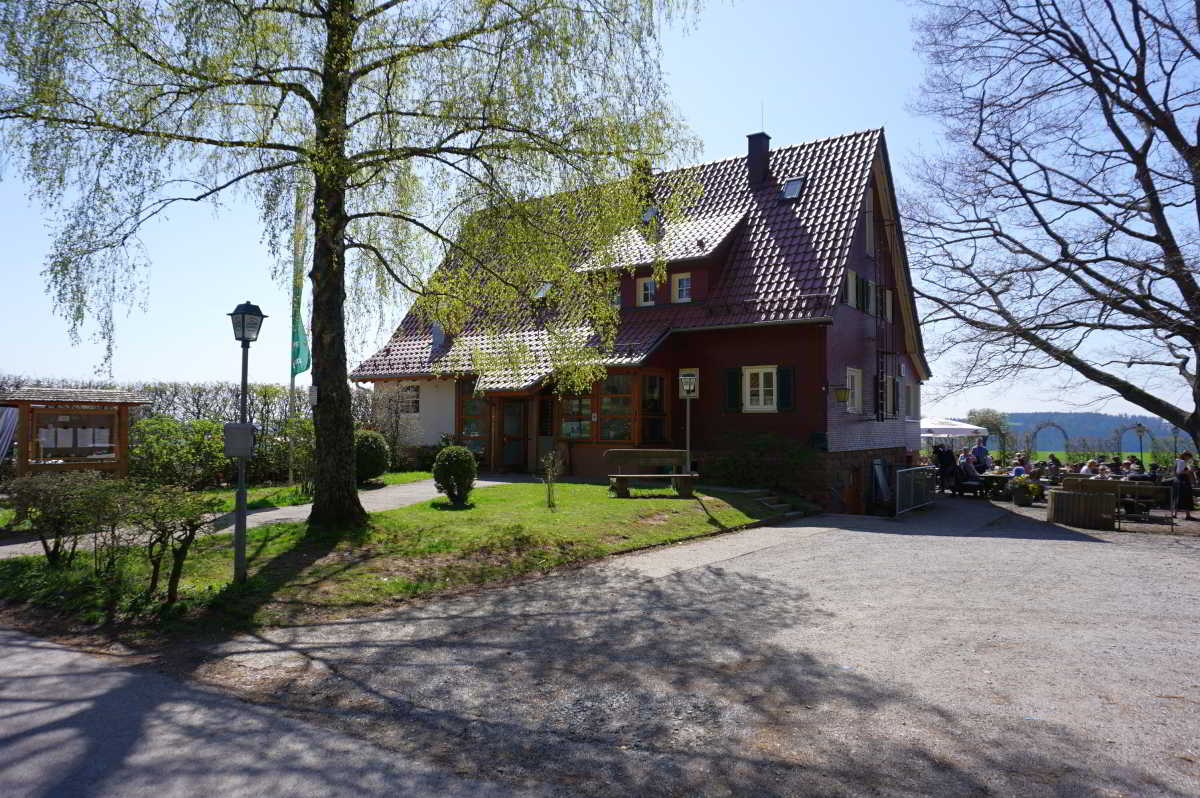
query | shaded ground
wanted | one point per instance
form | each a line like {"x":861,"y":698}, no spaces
{"x":962,"y":651}
{"x":78,"y":725}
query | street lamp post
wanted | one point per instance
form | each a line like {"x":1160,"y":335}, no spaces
{"x":688,"y":384}
{"x":247,"y":320}
{"x":1140,"y":429}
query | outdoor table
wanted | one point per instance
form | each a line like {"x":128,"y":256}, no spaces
{"x":995,"y":484}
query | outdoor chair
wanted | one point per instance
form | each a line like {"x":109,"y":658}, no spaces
{"x":964,"y":484}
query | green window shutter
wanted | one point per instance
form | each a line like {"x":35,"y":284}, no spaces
{"x":784,"y":378}
{"x":733,"y":390}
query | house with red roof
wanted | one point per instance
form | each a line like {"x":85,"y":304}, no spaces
{"x":787,"y":291}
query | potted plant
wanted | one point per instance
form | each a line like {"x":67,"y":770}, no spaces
{"x":1025,"y":489}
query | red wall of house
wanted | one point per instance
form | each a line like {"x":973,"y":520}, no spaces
{"x":801,"y":346}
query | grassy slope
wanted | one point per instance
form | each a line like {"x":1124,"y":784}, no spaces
{"x":300,"y":575}
{"x":507,"y":531}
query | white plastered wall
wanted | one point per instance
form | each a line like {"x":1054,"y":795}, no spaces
{"x":437,"y":407}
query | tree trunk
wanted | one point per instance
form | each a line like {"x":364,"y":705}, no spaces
{"x":335,"y":489}
{"x":178,"y":558}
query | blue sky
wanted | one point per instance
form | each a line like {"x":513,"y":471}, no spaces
{"x":798,"y":69}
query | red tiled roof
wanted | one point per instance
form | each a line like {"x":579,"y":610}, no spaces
{"x":689,"y":239}
{"x":786,"y":262}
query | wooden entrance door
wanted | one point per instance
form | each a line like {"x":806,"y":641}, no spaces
{"x":514,"y":437}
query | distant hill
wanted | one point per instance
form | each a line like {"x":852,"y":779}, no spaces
{"x":1094,"y":427}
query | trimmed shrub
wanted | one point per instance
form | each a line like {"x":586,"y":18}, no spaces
{"x":371,"y":455}
{"x":60,"y":508}
{"x":170,"y":519}
{"x":454,"y":473}
{"x":414,"y":458}
{"x":190,"y":454}
{"x":299,"y":430}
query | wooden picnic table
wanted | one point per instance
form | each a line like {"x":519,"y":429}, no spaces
{"x":995,"y":484}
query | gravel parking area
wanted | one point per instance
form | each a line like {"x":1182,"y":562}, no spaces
{"x":965,"y":650}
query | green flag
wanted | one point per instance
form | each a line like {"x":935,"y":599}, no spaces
{"x":301,"y":359}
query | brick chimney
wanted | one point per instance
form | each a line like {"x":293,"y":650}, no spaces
{"x":758,"y":146}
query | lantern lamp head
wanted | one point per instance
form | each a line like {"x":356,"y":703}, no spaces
{"x":247,"y":320}
{"x":688,"y":381}
{"x":841,"y":394}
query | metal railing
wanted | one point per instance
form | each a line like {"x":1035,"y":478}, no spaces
{"x":914,"y":488}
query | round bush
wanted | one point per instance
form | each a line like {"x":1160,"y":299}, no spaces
{"x":371,"y":455}
{"x":454,"y":473}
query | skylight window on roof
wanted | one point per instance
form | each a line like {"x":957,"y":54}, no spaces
{"x":792,"y":188}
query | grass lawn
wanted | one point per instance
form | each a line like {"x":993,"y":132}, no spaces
{"x":288,"y":495}
{"x":299,"y":575}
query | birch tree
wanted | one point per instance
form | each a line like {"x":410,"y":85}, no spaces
{"x":405,"y":119}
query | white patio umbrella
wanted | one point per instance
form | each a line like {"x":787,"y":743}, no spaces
{"x":946,"y":428}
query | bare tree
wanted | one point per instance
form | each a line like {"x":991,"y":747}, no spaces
{"x":1059,"y":225}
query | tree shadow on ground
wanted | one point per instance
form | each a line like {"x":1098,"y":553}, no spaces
{"x":603,"y":682}
{"x":49,"y":725}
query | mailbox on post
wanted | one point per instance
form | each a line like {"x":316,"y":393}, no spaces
{"x":239,"y":440}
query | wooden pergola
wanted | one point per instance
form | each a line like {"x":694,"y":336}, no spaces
{"x":72,"y":429}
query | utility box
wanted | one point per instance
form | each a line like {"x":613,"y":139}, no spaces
{"x":239,"y":440}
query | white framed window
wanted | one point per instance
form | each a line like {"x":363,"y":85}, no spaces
{"x":891,"y":396}
{"x":408,"y":399}
{"x":616,"y":298}
{"x":681,"y":287}
{"x":889,"y":300}
{"x":759,"y":389}
{"x":646,"y":289}
{"x":912,"y":401}
{"x":854,"y":401}
{"x":850,"y":289}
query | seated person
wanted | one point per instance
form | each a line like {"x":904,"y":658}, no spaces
{"x":1091,"y":468}
{"x":1115,"y":467}
{"x":1018,"y":471}
{"x":1055,"y":463}
{"x":1103,"y":473}
{"x":968,"y":469}
{"x":1039,"y":470}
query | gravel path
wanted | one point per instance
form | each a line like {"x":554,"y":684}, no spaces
{"x":962,"y":651}
{"x":72,"y":724}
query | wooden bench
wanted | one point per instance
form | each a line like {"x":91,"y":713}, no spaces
{"x":643,"y":459}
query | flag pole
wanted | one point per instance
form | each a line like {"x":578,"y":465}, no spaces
{"x":299,"y":249}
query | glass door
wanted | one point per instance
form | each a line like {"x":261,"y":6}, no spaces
{"x":513,"y":436}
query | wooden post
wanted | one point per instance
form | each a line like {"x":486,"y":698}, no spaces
{"x":24,"y":437}
{"x":122,"y":440}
